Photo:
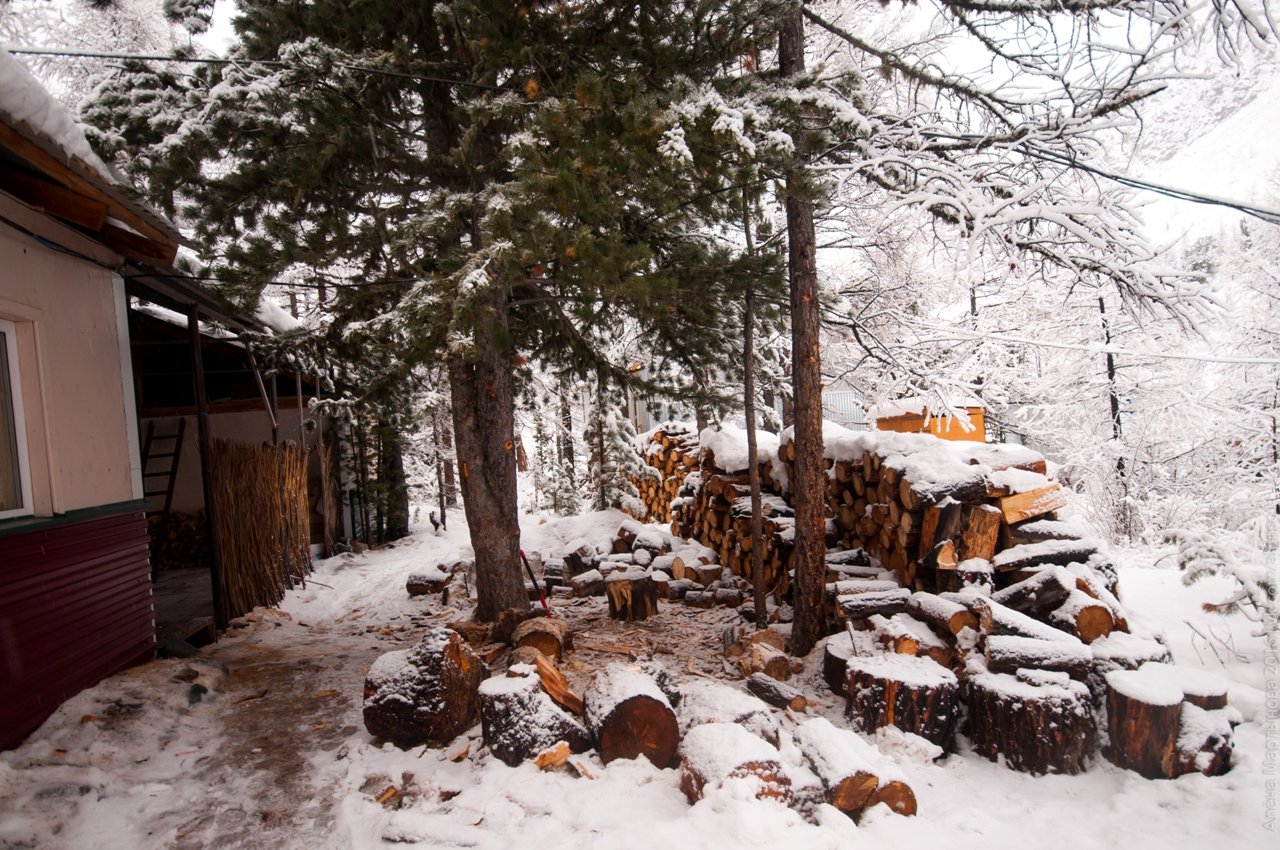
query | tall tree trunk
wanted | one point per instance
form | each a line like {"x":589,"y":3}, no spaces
{"x":1113,"y":396}
{"x":445,"y":441}
{"x":394,"y":487}
{"x":601,"y":386}
{"x":806,"y":377}
{"x":749,"y":408}
{"x":483,"y":397}
{"x":564,"y":441}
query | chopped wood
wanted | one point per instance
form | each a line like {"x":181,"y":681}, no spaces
{"x":762,"y":658}
{"x":1007,"y":654}
{"x":1044,"y":590}
{"x":519,"y":720}
{"x":917,"y":695}
{"x":1044,"y":725}
{"x":1033,"y":503}
{"x":981,"y":533}
{"x":996,"y":619}
{"x":853,"y":774}
{"x":1059,"y":552}
{"x":1143,"y":719}
{"x":947,"y":616}
{"x":549,"y":635}
{"x":632,"y":596}
{"x":859,"y":606}
{"x":556,"y":686}
{"x":712,"y":753}
{"x":630,"y":716}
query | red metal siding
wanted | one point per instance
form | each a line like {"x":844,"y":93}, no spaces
{"x":75,"y":607}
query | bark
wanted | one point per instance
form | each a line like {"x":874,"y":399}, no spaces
{"x":1050,"y":730}
{"x":394,"y":486}
{"x":807,"y":483}
{"x":482,"y":391}
{"x":749,"y":403}
{"x":917,"y":695}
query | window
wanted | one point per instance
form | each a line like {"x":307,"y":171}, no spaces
{"x":15,"y":478}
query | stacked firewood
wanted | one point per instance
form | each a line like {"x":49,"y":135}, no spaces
{"x":671,"y":450}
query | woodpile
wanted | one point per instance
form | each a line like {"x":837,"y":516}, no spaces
{"x":179,"y":540}
{"x":672,"y":452}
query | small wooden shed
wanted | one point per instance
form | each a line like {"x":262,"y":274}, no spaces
{"x":912,"y":416}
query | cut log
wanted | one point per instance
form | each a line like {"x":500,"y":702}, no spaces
{"x":1043,"y":591}
{"x":947,"y":616}
{"x":549,"y":635}
{"x":1143,"y":719}
{"x":1034,"y":503}
{"x":917,"y":695}
{"x":1061,"y":552}
{"x":423,"y":582}
{"x":712,"y":701}
{"x":776,"y":693}
{"x":1122,"y":651}
{"x":580,"y":558}
{"x":853,"y":773}
{"x":1008,"y":653}
{"x":996,"y":619}
{"x":906,"y":635}
{"x":1038,"y":726}
{"x":981,"y":533}
{"x":1083,"y":616}
{"x":859,"y":606}
{"x":519,"y":720}
{"x":556,"y":686}
{"x":1205,"y":740}
{"x":589,"y":583}
{"x":630,"y":716}
{"x":714,"y":753}
{"x":699,"y":599}
{"x":424,"y":695}
{"x":632,"y":596}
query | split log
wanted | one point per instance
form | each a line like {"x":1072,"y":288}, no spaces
{"x":519,"y":720}
{"x":1033,"y":503}
{"x":632,"y":596}
{"x":1008,"y":653}
{"x":947,"y":616}
{"x":763,"y":658}
{"x":1034,"y":724}
{"x":714,"y":753}
{"x":981,"y":534}
{"x":776,"y":693}
{"x":630,"y":716}
{"x":854,"y":775}
{"x":549,"y":635}
{"x":556,"y":686}
{"x":917,"y":695}
{"x":424,"y":695}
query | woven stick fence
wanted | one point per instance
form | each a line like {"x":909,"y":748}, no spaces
{"x":260,"y":494}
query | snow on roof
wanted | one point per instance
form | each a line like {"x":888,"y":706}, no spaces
{"x":24,"y":100}
{"x":179,"y":320}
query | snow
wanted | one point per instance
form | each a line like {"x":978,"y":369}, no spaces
{"x":728,"y":444}
{"x":271,"y":314}
{"x":716,"y":749}
{"x":1145,"y":687}
{"x":1041,"y":652}
{"x":1044,"y":549}
{"x":287,"y":770}
{"x":910,"y":670}
{"x":25,"y":101}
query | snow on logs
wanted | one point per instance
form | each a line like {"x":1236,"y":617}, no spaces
{"x":1034,"y":721}
{"x":519,"y":720}
{"x":917,"y":695}
{"x":630,"y":716}
{"x":854,"y":775}
{"x":1164,"y":721}
{"x":424,"y":695}
{"x":713,"y":754}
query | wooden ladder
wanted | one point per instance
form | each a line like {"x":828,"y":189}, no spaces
{"x":169,"y":474}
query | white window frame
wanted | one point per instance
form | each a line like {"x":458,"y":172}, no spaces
{"x":10,"y":331}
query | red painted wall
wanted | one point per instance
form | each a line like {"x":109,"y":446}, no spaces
{"x":75,"y":607}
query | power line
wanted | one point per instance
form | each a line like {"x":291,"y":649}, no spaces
{"x":210,"y":60}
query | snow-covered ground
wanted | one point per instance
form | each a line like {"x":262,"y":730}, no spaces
{"x":261,"y":744}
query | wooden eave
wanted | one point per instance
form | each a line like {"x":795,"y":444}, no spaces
{"x":36,"y":171}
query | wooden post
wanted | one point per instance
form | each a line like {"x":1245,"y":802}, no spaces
{"x":206,"y":469}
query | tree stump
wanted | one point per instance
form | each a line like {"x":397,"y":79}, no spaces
{"x":632,"y":596}
{"x":713,"y":753}
{"x":423,"y":582}
{"x":520,"y":721}
{"x":1164,"y":721}
{"x":917,"y":695}
{"x":589,"y":583}
{"x":424,"y":695}
{"x":854,"y":775}
{"x":1009,"y":653}
{"x":630,"y":716}
{"x":549,"y":635}
{"x":1037,"y":722}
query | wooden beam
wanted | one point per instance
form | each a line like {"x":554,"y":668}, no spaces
{"x":57,"y":201}
{"x":66,"y":173}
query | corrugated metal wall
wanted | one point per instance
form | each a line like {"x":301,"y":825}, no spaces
{"x":75,"y":607}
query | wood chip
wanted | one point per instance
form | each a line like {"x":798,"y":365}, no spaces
{"x":460,"y":753}
{"x":581,"y":766}
{"x":553,"y":756}
{"x":386,"y":795}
